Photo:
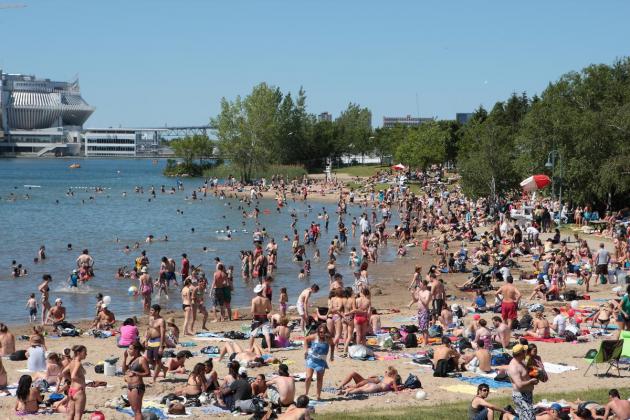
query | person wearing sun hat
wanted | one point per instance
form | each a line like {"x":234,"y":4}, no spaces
{"x":261,"y":306}
{"x":522,"y":384}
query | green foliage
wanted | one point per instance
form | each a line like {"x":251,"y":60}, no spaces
{"x":175,"y":168}
{"x":354,"y":130}
{"x":423,"y":146}
{"x":188,"y":149}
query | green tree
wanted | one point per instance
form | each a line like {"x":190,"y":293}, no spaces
{"x":191,"y":147}
{"x":354,"y":130}
{"x":423,"y":146}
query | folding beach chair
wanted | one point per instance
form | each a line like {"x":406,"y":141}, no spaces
{"x":609,"y":352}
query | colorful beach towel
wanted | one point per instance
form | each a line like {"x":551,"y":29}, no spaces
{"x":477,"y":380}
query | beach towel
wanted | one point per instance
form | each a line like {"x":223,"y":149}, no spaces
{"x":556,"y":368}
{"x":221,"y":339}
{"x":462,"y":389}
{"x":545,"y":340}
{"x":213,"y":410}
{"x":476,"y":380}
{"x":158,"y":412}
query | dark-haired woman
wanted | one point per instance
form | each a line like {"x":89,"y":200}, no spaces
{"x":135,"y":367}
{"x":28,"y":397}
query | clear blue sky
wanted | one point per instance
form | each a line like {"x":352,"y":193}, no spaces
{"x":152,"y":62}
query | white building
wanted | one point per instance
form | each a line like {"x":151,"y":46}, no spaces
{"x":110,"y":142}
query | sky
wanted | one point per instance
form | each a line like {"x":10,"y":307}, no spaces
{"x":150,"y":63}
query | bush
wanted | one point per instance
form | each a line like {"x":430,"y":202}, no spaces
{"x":175,"y":168}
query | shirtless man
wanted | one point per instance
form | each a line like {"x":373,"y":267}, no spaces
{"x":511,"y":297}
{"x":260,"y":309}
{"x":438,"y":295}
{"x":621,"y":408}
{"x":422,"y":296}
{"x":7,"y":341}
{"x":299,"y":411}
{"x":251,"y":355}
{"x":105,"y":319}
{"x":540,"y":326}
{"x":155,"y":339}
{"x":446,"y":352}
{"x":480,"y":360}
{"x":85,"y":261}
{"x":220,"y":287}
{"x":522,"y":384}
{"x":303,"y":303}
{"x":57,"y":314}
{"x":501,"y":333}
{"x":283,"y":391}
{"x":337,"y":282}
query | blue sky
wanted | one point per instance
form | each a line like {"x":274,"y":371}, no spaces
{"x":156,"y":62}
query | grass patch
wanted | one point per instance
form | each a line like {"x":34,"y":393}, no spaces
{"x":361,"y":170}
{"x":459,"y":410}
{"x":225,"y":170}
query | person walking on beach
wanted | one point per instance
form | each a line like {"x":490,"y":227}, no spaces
{"x":31,"y":305}
{"x":44,"y":289}
{"x":135,"y":367}
{"x":185,"y":271}
{"x":522,"y":384}
{"x":155,"y":340}
{"x":260,"y":309}
{"x":187,"y":302}
{"x":422,"y":296}
{"x":316,"y":348}
{"x":76,"y":393}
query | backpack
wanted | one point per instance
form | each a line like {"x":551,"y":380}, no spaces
{"x":409,"y":328}
{"x":411,"y":341}
{"x":500,"y":359}
{"x":412,"y":382}
{"x":18,"y":356}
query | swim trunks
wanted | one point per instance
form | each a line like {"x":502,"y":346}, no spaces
{"x":508,"y":310}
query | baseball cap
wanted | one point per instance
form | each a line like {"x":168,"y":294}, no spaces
{"x":58,"y":300}
{"x":518,"y":349}
{"x":556,"y":406}
{"x":75,"y":271}
{"x":476,"y":317}
{"x":242,"y":371}
{"x":258,"y":288}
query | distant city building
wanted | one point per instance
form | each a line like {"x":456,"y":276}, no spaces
{"x":40,"y":116}
{"x":324,"y":116}
{"x":408,"y":121}
{"x":463,"y":117}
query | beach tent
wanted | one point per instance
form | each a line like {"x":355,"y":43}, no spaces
{"x":399,"y":167}
{"x":535,"y":182}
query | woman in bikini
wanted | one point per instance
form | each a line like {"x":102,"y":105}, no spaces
{"x":335,"y":314}
{"x":28,"y":397}
{"x":187,"y":296}
{"x":44,"y":289}
{"x":371,"y":384}
{"x":196,"y":383}
{"x":362,"y":314}
{"x":76,"y":392}
{"x":135,"y":367}
{"x":349,"y":306}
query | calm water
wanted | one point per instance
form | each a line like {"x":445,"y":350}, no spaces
{"x":109,"y":221}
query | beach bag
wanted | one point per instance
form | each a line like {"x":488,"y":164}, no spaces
{"x":263,"y":344}
{"x":412,"y":382}
{"x":411,"y":341}
{"x":435,"y":331}
{"x":569,"y":336}
{"x":99,"y":368}
{"x":18,"y":356}
{"x":500,"y":359}
{"x":360,"y":352}
{"x":536,"y":307}
{"x":525,"y":322}
{"x":570,"y":295}
{"x":409,"y":328}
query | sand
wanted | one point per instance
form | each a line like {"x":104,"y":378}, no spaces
{"x":390,"y":292}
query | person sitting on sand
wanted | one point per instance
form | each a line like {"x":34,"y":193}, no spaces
{"x":602,"y":316}
{"x":176,"y":364}
{"x":28,"y":397}
{"x":38,"y":333}
{"x":501,"y":333}
{"x":446,"y":354}
{"x":36,"y":355}
{"x":282,"y":333}
{"x":128,"y":333}
{"x":172,"y":333}
{"x":3,"y":379}
{"x":479,"y":361}
{"x":105,"y":319}
{"x":281,"y":389}
{"x":372,"y":384}
{"x":195,"y":384}
{"x":7,"y":341}
{"x":53,"y":369}
{"x":480,"y":409}
{"x":540,"y":327}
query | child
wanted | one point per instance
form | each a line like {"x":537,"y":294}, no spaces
{"x":307,"y":267}
{"x":402,"y":251}
{"x":284,"y":299}
{"x":302,"y":275}
{"x":31,"y":304}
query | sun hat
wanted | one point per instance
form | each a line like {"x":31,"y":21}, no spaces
{"x":258,"y":288}
{"x":58,"y":300}
{"x":518,"y":349}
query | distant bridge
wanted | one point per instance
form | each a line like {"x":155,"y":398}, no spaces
{"x":170,"y":133}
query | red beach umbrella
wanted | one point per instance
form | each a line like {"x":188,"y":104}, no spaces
{"x":399,"y":167}
{"x":535,"y":182}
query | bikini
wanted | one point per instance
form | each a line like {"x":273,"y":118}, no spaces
{"x":134,"y":366}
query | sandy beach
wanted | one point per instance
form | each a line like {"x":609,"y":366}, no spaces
{"x":390,"y":294}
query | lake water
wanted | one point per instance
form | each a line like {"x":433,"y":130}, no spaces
{"x":109,"y":221}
